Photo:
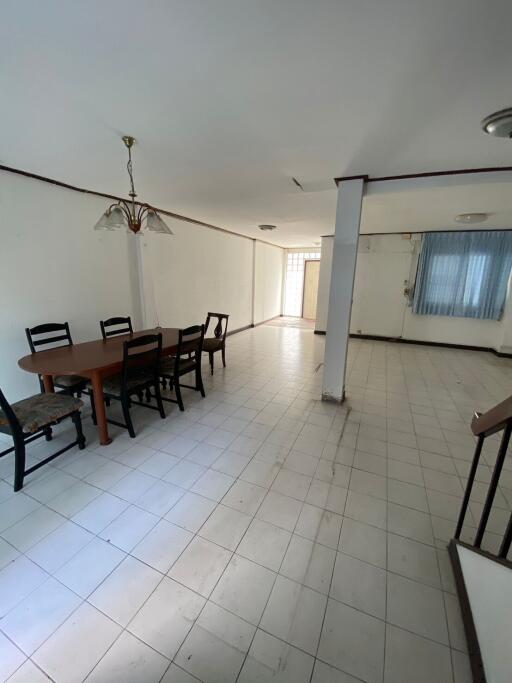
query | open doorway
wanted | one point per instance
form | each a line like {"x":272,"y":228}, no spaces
{"x":295,"y":280}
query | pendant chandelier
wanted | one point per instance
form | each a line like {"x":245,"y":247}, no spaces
{"x":131,"y":214}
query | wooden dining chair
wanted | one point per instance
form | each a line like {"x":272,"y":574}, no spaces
{"x":50,"y":336}
{"x":186,"y":360}
{"x":120,"y":326}
{"x":32,"y":418}
{"x":218,"y":342}
{"x":140,"y":373}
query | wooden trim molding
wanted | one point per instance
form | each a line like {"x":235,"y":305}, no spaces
{"x":95,"y":193}
{"x":446,"y":345}
{"x":430,"y":174}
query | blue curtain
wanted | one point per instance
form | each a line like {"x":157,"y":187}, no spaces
{"x":463,"y":274}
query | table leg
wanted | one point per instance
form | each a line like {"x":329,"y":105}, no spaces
{"x":48,"y":384}
{"x":99,"y":404}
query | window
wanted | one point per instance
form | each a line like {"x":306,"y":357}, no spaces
{"x":464,"y":274}
{"x":294,"y":281}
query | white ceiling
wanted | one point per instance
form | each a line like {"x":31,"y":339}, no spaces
{"x":229,"y":99}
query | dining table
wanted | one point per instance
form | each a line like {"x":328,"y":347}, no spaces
{"x":94,"y":360}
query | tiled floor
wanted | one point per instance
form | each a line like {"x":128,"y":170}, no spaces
{"x":261,"y":535}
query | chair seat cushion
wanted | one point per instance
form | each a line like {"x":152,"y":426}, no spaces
{"x":69,"y":381}
{"x":137,"y":378}
{"x":212,"y":344}
{"x":185,"y":365}
{"x":38,"y":411}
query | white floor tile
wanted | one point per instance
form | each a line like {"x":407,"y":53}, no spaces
{"x":129,"y":660}
{"x":294,"y":613}
{"x":215,"y":648}
{"x":85,"y":625}
{"x":11,"y":658}
{"x":272,"y":661}
{"x":353,"y":642}
{"x":225,"y":527}
{"x":360,"y":585}
{"x":265,"y":544}
{"x":162,"y":546}
{"x":244,"y":589}
{"x":129,"y":528}
{"x":200,"y":566}
{"x":309,"y":563}
{"x":90,"y":566}
{"x":412,"y":658}
{"x":167,"y":617}
{"x":125,"y":590}
{"x":191,"y":511}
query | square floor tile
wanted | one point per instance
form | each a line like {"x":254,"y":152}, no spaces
{"x":213,"y":484}
{"x":366,"y":509}
{"x":244,"y":589}
{"x":265,"y":544}
{"x":417,"y":608}
{"x":280,"y":510}
{"x":129,"y":660}
{"x":225,"y":527}
{"x":85,"y":625}
{"x":165,"y":619}
{"x":84,"y":572}
{"x":270,"y":660}
{"x":129,"y":528}
{"x":125,"y":590}
{"x":309,"y":563}
{"x":412,"y":658}
{"x":39,"y":614}
{"x":184,"y":474}
{"x":244,"y":497}
{"x":319,"y":525}
{"x":360,"y":585}
{"x":414,"y":560}
{"x":353,"y":642}
{"x":59,"y":546}
{"x":160,"y":498}
{"x":162,"y":546}
{"x":367,"y":543}
{"x":215,"y":648}
{"x":200,"y":566}
{"x":323,"y":673}
{"x":191,"y":511}
{"x":10,"y":657}
{"x":294,"y":613}
{"x":100,"y":512}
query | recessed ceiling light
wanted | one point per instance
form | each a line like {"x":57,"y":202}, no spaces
{"x":266,"y":227}
{"x":499,"y":123}
{"x":471,"y":217}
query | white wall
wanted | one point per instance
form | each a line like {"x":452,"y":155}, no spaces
{"x":55,"y":267}
{"x":385,"y":263}
{"x":268,"y":280}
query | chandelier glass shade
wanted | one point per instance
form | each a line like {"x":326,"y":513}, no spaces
{"x":130,"y":214}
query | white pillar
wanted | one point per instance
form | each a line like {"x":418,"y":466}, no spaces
{"x":344,"y":255}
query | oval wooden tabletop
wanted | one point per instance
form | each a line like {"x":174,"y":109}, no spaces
{"x":100,"y":354}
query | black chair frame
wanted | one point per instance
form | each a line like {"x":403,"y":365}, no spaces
{"x":192,"y":349}
{"x":64,"y":336}
{"x":115,"y":322}
{"x":149,"y":358}
{"x":21,"y":439}
{"x":219,"y":333}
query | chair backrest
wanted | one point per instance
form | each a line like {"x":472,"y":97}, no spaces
{"x":142,"y":352}
{"x":221,"y":327}
{"x":9,"y":423}
{"x":43,"y":335}
{"x":120,"y":325}
{"x":190,"y":343}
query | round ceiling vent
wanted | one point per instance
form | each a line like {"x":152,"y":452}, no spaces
{"x":499,"y":123}
{"x":265,"y":226}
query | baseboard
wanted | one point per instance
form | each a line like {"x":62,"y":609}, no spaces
{"x":320,"y":332}
{"x":419,"y":342}
{"x":249,"y":327}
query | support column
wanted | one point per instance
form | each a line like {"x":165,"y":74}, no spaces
{"x":346,"y":236}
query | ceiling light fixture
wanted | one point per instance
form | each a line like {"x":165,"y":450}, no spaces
{"x":266,"y":227}
{"x":131,"y":214}
{"x":499,"y":124}
{"x":471,"y":217}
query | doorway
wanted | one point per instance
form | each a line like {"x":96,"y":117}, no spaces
{"x":310,"y":293}
{"x":294,"y":279}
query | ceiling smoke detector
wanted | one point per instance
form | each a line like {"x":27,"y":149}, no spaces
{"x":499,"y":124}
{"x":469,"y":218}
{"x":266,"y":227}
